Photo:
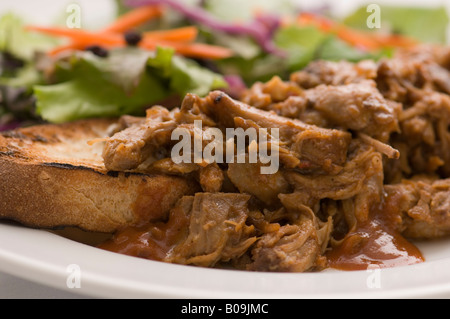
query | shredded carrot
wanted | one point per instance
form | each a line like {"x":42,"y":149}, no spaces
{"x":395,"y":40}
{"x":80,"y":35}
{"x":124,"y":23}
{"x":193,"y":50}
{"x":361,"y":39}
{"x":357,"y":39}
{"x":134,"y":18}
{"x":322,"y":23}
{"x":181,"y":39}
{"x":80,"y":39}
{"x":200,"y":50}
{"x":97,"y":140}
{"x":372,"y":40}
{"x":150,"y":41}
{"x":184,"y":34}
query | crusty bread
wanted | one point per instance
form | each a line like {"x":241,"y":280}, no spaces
{"x":51,"y":177}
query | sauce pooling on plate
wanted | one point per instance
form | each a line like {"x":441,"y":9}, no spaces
{"x":375,"y":242}
{"x":151,"y":241}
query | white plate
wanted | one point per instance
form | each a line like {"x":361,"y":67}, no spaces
{"x":46,"y":258}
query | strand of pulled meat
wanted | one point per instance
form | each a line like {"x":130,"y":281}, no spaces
{"x":381,"y":147}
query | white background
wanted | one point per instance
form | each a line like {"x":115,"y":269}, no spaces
{"x":98,"y":12}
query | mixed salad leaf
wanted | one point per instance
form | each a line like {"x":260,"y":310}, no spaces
{"x":424,"y":24}
{"x":159,"y":50}
{"x":127,"y":81}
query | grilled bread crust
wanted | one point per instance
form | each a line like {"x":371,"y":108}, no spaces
{"x":51,"y":177}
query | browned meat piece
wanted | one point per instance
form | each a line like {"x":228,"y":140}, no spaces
{"x":298,"y":204}
{"x":294,"y":247}
{"x":193,"y":108}
{"x":422,"y":207}
{"x":398,"y":77}
{"x":167,"y":166}
{"x":217,"y":230}
{"x":356,"y":106}
{"x":383,"y":148}
{"x":346,"y":184}
{"x":441,"y":55}
{"x":334,"y":73}
{"x":130,"y":147}
{"x":211,"y":178}
{"x":248,"y":179}
{"x":293,"y":107}
{"x":284,"y":98}
{"x":125,"y":121}
{"x":425,"y":138}
{"x":261,"y":95}
{"x":418,"y":79}
{"x":138,"y":140}
{"x":317,"y":148}
{"x":290,"y":249}
{"x":440,"y":77}
{"x":360,"y":181}
{"x":423,"y":68}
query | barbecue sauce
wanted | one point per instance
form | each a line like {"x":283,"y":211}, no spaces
{"x":375,"y":242}
{"x":150,"y":241}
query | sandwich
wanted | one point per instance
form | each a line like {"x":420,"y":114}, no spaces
{"x":325,"y":167}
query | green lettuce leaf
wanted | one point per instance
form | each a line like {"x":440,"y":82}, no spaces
{"x":126,"y":82}
{"x":305,"y":44}
{"x":19,"y":42}
{"x":425,"y":24}
{"x":94,"y":97}
{"x":184,"y":75}
{"x":334,"y":49}
{"x":25,"y":77}
{"x":300,"y":43}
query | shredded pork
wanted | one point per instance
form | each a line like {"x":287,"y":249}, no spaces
{"x":352,"y":136}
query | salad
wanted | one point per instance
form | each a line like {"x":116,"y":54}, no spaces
{"x":156,"y":51}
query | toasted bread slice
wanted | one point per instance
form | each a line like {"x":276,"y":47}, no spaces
{"x":51,"y":177}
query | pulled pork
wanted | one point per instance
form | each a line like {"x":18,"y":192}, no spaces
{"x":363,"y":151}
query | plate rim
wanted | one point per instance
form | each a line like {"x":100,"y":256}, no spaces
{"x":50,"y":270}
